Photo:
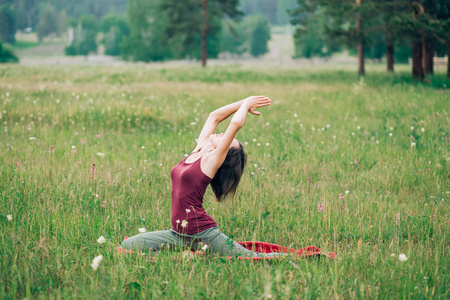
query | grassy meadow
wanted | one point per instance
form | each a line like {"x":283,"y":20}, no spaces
{"x":384,"y":140}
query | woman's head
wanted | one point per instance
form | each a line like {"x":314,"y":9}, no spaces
{"x":227,"y":177}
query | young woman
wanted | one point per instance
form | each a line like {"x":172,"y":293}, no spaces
{"x":217,"y":160}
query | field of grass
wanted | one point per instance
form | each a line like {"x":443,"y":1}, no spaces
{"x":385,"y":140}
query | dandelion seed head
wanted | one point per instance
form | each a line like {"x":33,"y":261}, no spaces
{"x":101,"y":240}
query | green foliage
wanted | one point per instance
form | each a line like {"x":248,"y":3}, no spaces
{"x":48,"y":22}
{"x":85,"y":34}
{"x":7,"y":55}
{"x":259,"y":36}
{"x":146,"y":40}
{"x":7,"y":24}
{"x":250,"y":35}
{"x":310,"y":37}
{"x":114,"y":28}
{"x":184,"y":24}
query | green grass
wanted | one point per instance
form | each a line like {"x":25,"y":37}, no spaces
{"x":25,"y":44}
{"x":346,"y":134}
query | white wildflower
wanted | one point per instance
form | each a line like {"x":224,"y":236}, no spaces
{"x":9,"y":217}
{"x":402,"y":257}
{"x":101,"y":240}
{"x":100,"y":154}
{"x":184,"y":223}
{"x":73,"y":147}
{"x":413,"y":144}
{"x":423,"y":129}
{"x":188,"y":210}
{"x":347,"y":192}
{"x":142,"y":230}
{"x":205,"y":247}
{"x":177,"y":221}
{"x":96,"y":262}
{"x":32,"y":138}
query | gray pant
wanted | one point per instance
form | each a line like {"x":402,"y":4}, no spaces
{"x":170,"y":239}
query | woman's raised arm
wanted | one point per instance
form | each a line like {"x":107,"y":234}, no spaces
{"x":219,"y":115}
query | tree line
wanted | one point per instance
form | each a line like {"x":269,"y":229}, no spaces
{"x":149,"y":30}
{"x":325,"y":26}
{"x":152,"y":30}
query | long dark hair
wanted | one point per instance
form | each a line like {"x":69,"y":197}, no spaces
{"x":227,"y":178}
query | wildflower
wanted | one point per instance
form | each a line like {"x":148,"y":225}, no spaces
{"x":390,"y":134}
{"x":98,"y":136}
{"x":252,"y":173}
{"x":320,"y":208}
{"x":96,"y":262}
{"x":359,"y":127}
{"x":83,"y":141}
{"x":17,"y":164}
{"x":432,"y":216}
{"x":423,"y":129}
{"x":347,"y":192}
{"x":184,"y":223}
{"x":9,"y":217}
{"x":74,"y":151}
{"x":328,"y":125}
{"x":205,"y":247}
{"x":188,"y":210}
{"x":101,"y":240}
{"x":177,"y":221}
{"x":93,"y":168}
{"x":100,"y":154}
{"x":143,"y":147}
{"x":267,"y":144}
{"x":52,"y":149}
{"x":94,"y":194}
{"x":142,"y":230}
{"x":73,"y":147}
{"x":295,"y":115}
{"x":392,"y":254}
{"x":32,"y":138}
{"x":412,"y":127}
{"x":413,"y":144}
{"x":402,"y":257}
{"x":309,"y":181}
{"x":340,"y":196}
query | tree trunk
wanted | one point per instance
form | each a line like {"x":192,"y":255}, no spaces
{"x":389,"y":52}
{"x":360,"y":43}
{"x":204,"y":32}
{"x":417,"y":69}
{"x":427,"y":53}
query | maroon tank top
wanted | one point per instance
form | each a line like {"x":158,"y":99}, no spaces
{"x":189,"y":184}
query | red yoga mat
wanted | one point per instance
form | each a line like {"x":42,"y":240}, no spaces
{"x":261,"y":247}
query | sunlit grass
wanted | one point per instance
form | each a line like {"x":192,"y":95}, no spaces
{"x":385,"y":140}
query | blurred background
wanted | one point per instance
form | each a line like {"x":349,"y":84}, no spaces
{"x":272,"y":32}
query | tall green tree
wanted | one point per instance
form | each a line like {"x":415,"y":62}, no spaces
{"x":259,"y":34}
{"x":194,"y":21}
{"x":85,"y":34}
{"x":48,"y":22}
{"x":146,"y":40}
{"x":7,"y":23}
{"x":115,"y":29}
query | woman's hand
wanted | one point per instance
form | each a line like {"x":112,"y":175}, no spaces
{"x":255,"y":102}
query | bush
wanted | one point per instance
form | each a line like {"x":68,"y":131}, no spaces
{"x":7,"y":55}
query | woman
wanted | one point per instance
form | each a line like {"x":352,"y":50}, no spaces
{"x":217,"y":160}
